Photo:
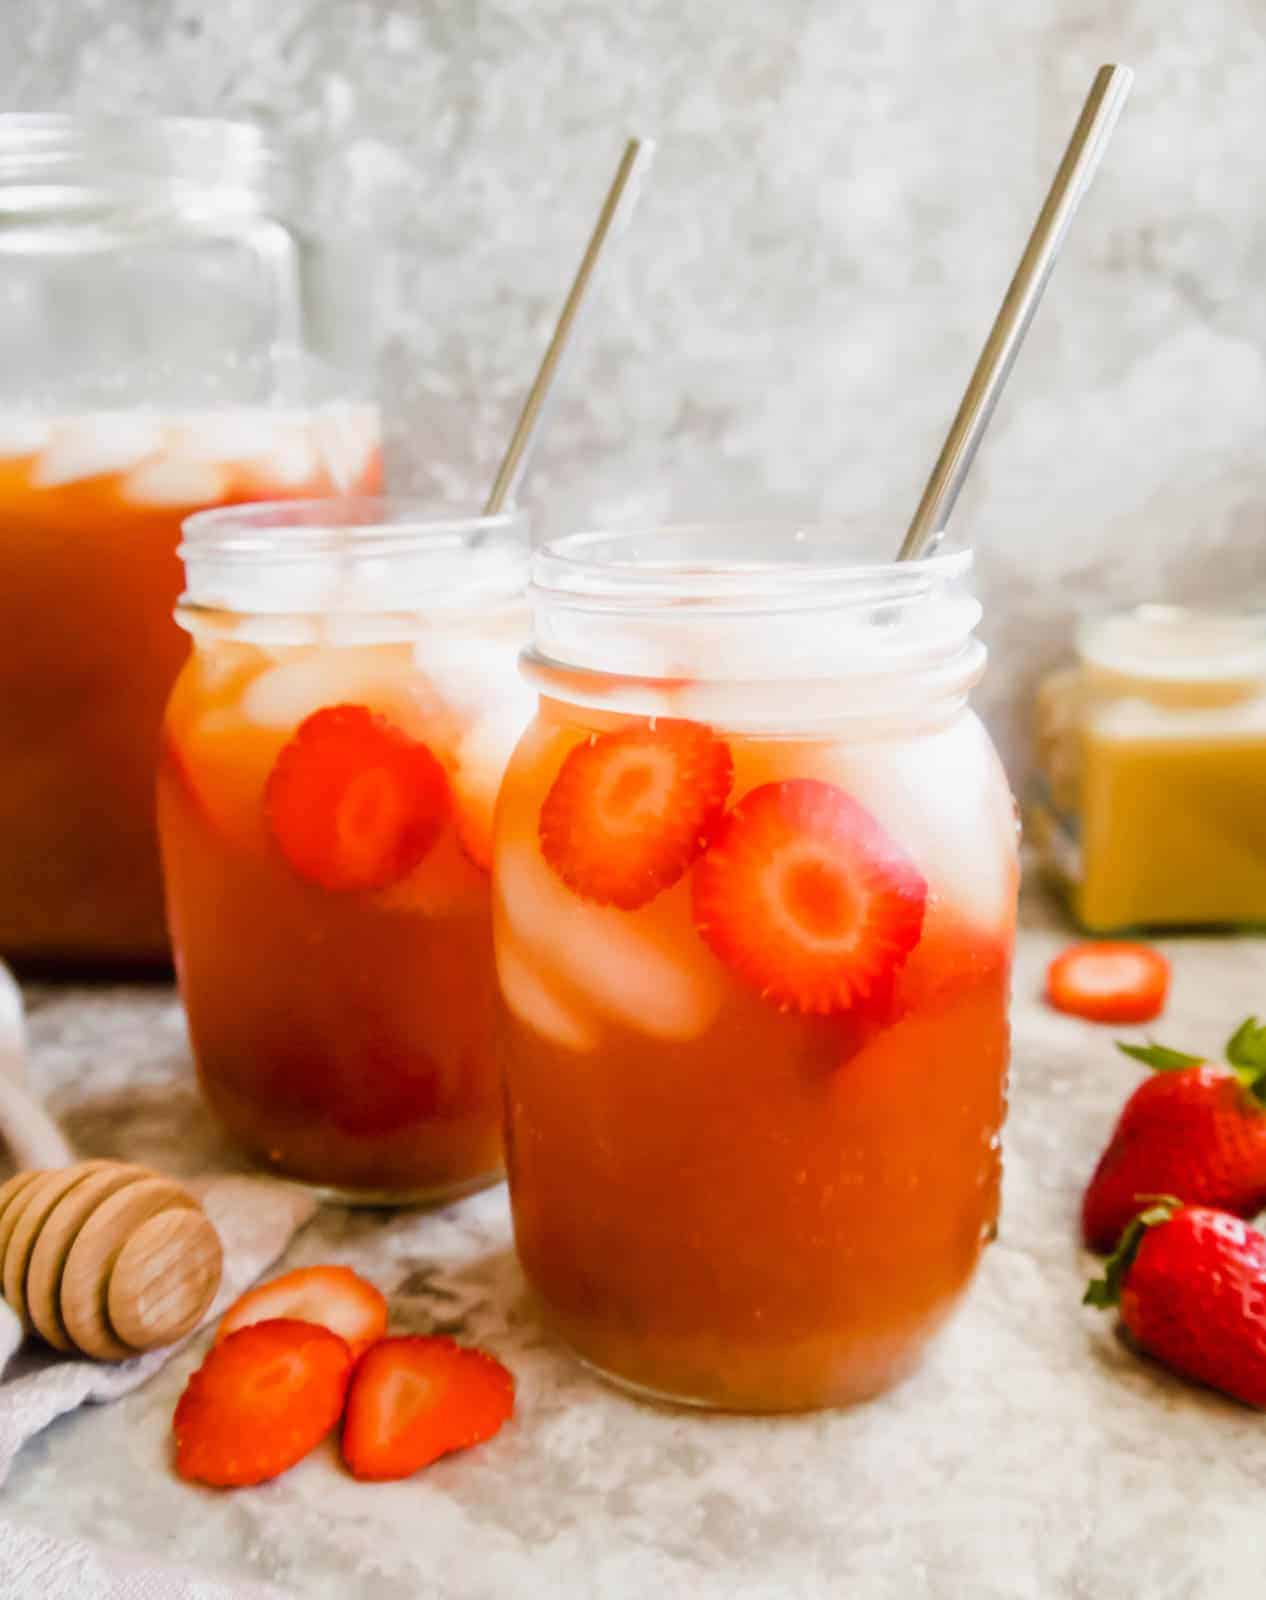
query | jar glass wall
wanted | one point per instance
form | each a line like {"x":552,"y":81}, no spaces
{"x":331,"y":760}
{"x":162,"y":352}
{"x":755,"y":884}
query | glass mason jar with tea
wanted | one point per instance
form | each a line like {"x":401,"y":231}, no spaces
{"x":331,"y":759}
{"x":754,"y":905}
{"x":170,"y":340}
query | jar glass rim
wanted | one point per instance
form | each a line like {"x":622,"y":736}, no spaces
{"x":759,"y":565}
{"x":307,"y":527}
{"x":49,"y":148}
{"x":359,"y":556}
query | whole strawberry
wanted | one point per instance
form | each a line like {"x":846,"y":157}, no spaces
{"x":1191,"y":1284}
{"x":1196,"y":1130}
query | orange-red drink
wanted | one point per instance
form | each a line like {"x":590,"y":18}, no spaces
{"x":332,"y":755}
{"x":755,"y":895}
{"x":90,"y":510}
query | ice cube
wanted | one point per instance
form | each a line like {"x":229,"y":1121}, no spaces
{"x":90,"y":447}
{"x":177,"y":481}
{"x":483,"y":753}
{"x":346,"y":440}
{"x":21,"y":435}
{"x":444,"y":884}
{"x":290,"y":456}
{"x":945,"y":798}
{"x":235,"y":435}
{"x":618,"y":960}
{"x":473,"y":673}
{"x":534,"y":1003}
{"x":287,"y":693}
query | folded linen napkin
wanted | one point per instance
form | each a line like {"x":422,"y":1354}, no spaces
{"x":34,"y":1566}
{"x":256,"y":1218}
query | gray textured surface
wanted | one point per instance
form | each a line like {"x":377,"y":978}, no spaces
{"x":1032,"y":1458}
{"x":841,"y":193}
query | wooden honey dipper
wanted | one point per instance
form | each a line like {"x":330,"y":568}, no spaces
{"x":106,"y":1258}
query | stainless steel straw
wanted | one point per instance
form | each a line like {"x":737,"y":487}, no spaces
{"x":617,"y":208}
{"x":1081,"y":161}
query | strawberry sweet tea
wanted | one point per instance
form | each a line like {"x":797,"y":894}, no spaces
{"x":331,"y":759}
{"x":91,"y":508}
{"x":755,"y":884}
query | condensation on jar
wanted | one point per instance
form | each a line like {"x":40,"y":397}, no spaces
{"x":331,"y":759}
{"x":755,"y":882}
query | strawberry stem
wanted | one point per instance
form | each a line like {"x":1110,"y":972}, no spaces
{"x":1106,"y":1291}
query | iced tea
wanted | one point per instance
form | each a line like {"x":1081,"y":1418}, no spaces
{"x":326,"y":801}
{"x":90,"y":509}
{"x":753,"y":942}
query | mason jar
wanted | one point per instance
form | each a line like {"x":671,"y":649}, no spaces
{"x":168,"y":328}
{"x":754,"y":906}
{"x":331,"y":759}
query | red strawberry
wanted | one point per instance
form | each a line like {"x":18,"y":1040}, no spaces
{"x":1197,"y":1130}
{"x":1109,"y":982}
{"x":1191,"y":1284}
{"x":806,"y":897}
{"x":629,"y":811}
{"x":413,"y":1400}
{"x":353,"y":802}
{"x":260,"y":1402}
{"x":331,"y":1297}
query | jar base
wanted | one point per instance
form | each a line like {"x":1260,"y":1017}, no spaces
{"x":842,"y":1400}
{"x":425,"y":1196}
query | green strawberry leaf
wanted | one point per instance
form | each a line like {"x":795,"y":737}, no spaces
{"x":1158,"y":1057}
{"x":1246,"y":1052}
{"x":1246,"y":1048}
{"x":1106,"y":1291}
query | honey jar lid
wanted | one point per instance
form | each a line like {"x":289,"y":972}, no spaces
{"x":1173,"y":645}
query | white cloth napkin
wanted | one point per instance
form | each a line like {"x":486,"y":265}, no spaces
{"x":36,"y":1567}
{"x":256,"y":1218}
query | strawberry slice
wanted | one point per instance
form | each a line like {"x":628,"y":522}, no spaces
{"x":415,"y":1399}
{"x":805,"y":896}
{"x":353,"y":802}
{"x":330,"y":1297}
{"x":1109,"y":982}
{"x":629,"y":811}
{"x":260,"y":1402}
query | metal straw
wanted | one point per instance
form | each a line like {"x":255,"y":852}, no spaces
{"x":1081,"y":161}
{"x":617,"y":208}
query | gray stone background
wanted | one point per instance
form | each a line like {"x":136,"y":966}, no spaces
{"x":841,"y":193}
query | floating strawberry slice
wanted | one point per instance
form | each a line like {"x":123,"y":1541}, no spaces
{"x":1109,"y":982}
{"x":331,"y":1297}
{"x":260,"y":1402}
{"x":806,"y":897}
{"x":415,"y":1399}
{"x":629,"y":811}
{"x":353,"y":802}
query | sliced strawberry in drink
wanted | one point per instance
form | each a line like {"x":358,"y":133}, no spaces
{"x":805,"y":896}
{"x":381,"y":1090}
{"x":629,"y":811}
{"x":415,"y":1399}
{"x":329,"y":1297}
{"x":260,"y":1401}
{"x":1109,"y":981}
{"x":353,"y":802}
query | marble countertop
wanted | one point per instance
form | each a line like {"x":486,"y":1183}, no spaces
{"x":1032,"y":1456}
